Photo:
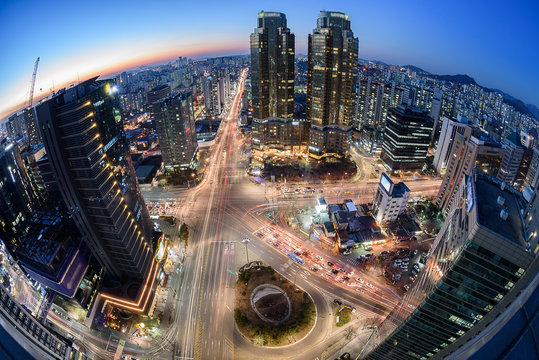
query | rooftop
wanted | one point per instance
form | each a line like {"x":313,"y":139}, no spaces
{"x":44,"y":239}
{"x":514,"y":138}
{"x":399,"y":190}
{"x":143,"y":171}
{"x":487,"y":191}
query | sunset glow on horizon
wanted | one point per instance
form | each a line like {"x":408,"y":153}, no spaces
{"x":63,"y":74}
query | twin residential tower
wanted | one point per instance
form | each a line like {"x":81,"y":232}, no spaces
{"x":332,"y":75}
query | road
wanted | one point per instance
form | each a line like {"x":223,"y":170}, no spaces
{"x":221,"y":211}
{"x":218,"y":212}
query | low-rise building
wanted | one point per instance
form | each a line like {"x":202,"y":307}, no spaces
{"x":390,"y":200}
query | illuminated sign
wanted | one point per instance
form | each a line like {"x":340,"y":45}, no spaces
{"x":112,"y":142}
{"x":160,"y":251}
{"x":469,"y":196}
{"x":386,"y":182}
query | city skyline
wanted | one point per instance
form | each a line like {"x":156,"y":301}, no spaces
{"x":129,"y":40}
{"x":235,"y":204}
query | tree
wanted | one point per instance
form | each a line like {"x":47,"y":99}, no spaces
{"x":184,"y":233}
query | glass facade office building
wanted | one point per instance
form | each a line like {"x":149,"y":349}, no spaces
{"x":406,"y":138}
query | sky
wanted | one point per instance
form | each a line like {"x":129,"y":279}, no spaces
{"x":495,"y":42}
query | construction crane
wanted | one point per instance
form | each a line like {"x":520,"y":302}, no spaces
{"x":31,"y":99}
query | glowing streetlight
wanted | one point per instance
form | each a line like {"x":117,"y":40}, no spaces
{"x":245,"y":242}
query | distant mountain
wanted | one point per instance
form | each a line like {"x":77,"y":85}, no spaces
{"x":534,"y":110}
{"x":508,"y":99}
{"x":459,"y":79}
{"x":504,"y":94}
{"x":416,"y":69}
{"x":517,"y":104}
{"x":360,"y":60}
{"x":528,"y":109}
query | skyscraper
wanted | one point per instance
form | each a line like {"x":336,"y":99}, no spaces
{"x":32,"y":132}
{"x":512,"y":158}
{"x":532,"y":177}
{"x":331,"y":81}
{"x":449,"y":130}
{"x":406,"y":138}
{"x":15,"y":126}
{"x":374,"y":101}
{"x":469,"y":151}
{"x":175,"y":124}
{"x":88,"y":156}
{"x":483,"y":258}
{"x":272,"y":67}
{"x":18,"y":197}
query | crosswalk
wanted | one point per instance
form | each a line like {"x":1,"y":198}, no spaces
{"x":350,"y":260}
{"x":113,"y":344}
{"x":232,"y":177}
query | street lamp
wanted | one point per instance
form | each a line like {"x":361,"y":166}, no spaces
{"x":246,"y":241}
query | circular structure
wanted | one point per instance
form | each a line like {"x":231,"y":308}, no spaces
{"x":271,"y":303}
{"x":270,"y":310}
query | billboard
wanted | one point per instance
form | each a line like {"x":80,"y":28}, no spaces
{"x":386,"y":182}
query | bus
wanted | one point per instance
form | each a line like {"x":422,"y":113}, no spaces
{"x":296,"y":258}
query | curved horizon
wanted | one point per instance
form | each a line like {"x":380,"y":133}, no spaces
{"x":113,"y":69}
{"x":78,"y":40}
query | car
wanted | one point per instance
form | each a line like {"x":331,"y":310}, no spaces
{"x":334,"y":271}
{"x":330,"y":263}
{"x":360,"y":280}
{"x":314,"y":269}
{"x":342,"y":270}
{"x":370,"y":285}
{"x":416,"y":267}
{"x":337,"y":302}
{"x":347,"y":252}
{"x":346,"y":278}
{"x":342,"y":280}
{"x":368,"y":248}
{"x":351,"y":273}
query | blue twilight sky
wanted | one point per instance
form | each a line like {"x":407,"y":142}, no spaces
{"x":496,"y":42}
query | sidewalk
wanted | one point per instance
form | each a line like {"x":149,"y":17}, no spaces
{"x":355,"y":345}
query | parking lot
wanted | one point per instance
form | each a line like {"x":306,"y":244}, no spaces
{"x":168,"y":208}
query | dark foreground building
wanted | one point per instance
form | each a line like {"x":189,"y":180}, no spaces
{"x":482,"y":268}
{"x":88,"y":157}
